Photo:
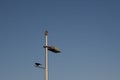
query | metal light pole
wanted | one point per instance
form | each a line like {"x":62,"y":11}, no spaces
{"x":50,"y":48}
{"x":46,"y":55}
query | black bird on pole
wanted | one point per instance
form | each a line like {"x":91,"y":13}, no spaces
{"x":37,"y":64}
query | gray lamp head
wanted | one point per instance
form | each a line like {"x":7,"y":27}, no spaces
{"x":53,"y":49}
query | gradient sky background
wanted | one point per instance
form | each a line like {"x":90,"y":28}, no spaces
{"x":87,"y":32}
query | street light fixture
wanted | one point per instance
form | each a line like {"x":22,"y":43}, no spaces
{"x":53,"y":49}
{"x":50,"y":48}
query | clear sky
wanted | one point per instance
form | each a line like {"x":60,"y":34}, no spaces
{"x":87,"y":32}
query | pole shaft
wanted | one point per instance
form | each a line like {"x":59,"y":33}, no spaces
{"x":46,"y":55}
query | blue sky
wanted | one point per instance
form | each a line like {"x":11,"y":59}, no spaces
{"x":87,"y":32}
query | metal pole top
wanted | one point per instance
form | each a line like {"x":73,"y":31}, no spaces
{"x":46,"y":33}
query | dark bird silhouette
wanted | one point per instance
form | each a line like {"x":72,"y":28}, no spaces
{"x":37,"y":64}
